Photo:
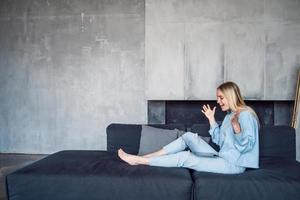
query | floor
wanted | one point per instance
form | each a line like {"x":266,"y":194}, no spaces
{"x":12,"y":162}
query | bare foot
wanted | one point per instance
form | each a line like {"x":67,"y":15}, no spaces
{"x":130,"y":159}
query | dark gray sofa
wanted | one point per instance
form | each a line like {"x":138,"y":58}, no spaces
{"x":102,"y":175}
{"x":277,"y":178}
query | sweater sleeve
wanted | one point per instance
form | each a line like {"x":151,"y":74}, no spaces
{"x":214,"y":131}
{"x":245,"y":140}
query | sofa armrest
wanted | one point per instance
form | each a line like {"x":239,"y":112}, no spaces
{"x":125,"y":136}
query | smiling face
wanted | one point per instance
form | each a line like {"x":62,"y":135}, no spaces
{"x":222,"y":101}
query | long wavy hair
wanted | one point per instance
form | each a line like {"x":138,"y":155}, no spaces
{"x":235,"y":100}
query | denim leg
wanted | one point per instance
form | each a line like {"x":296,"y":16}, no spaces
{"x":177,"y":145}
{"x":195,"y":143}
{"x":171,"y":160}
{"x":187,"y":159}
{"x":212,"y":164}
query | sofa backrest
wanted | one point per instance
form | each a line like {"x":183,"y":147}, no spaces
{"x":277,"y":141}
{"x":127,"y":136}
{"x":273,"y":140}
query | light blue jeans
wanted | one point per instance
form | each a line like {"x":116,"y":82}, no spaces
{"x":199,"y":158}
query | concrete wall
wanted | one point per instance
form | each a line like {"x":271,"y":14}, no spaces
{"x":67,"y":70}
{"x":193,"y":46}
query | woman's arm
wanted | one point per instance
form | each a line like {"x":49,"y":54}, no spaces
{"x":245,"y":131}
{"x":214,"y":130}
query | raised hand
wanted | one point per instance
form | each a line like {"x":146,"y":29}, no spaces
{"x":209,"y":113}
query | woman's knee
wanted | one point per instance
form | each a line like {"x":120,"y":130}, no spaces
{"x":188,"y":136}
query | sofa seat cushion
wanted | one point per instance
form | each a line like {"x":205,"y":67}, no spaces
{"x":277,"y":178}
{"x":72,"y":175}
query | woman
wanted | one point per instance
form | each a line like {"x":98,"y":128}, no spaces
{"x":237,"y":138}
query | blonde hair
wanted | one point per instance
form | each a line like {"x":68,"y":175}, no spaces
{"x":235,"y":100}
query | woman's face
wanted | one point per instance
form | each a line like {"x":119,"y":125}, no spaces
{"x":222,"y":101}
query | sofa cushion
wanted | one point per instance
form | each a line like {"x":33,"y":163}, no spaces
{"x":127,"y":136}
{"x":277,"y":178}
{"x":89,"y":175}
{"x":153,"y":139}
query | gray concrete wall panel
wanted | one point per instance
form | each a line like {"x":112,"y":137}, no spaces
{"x":257,"y":41}
{"x":204,"y":60}
{"x":244,"y":57}
{"x":170,"y":11}
{"x":282,"y":11}
{"x":222,"y":11}
{"x":165,"y":52}
{"x":282,"y":60}
{"x":67,"y":70}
